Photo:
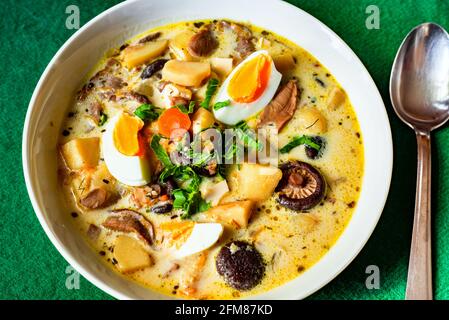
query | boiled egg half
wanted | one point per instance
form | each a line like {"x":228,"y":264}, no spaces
{"x":203,"y":236}
{"x":249,"y":88}
{"x":122,"y":150}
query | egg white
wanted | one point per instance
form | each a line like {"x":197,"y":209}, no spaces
{"x":236,"y":111}
{"x":130,"y":170}
{"x":203,"y":236}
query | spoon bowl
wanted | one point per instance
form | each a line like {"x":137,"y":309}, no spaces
{"x":419,"y":85}
{"x":419,"y":91}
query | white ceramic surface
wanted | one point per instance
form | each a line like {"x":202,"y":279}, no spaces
{"x":65,"y":74}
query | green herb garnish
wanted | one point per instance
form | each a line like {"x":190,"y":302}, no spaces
{"x":212,"y":86}
{"x":188,"y":198}
{"x":300,"y":140}
{"x":247,"y":136}
{"x":147,"y":112}
{"x":189,"y":202}
{"x":160,"y":152}
{"x":222,"y":104}
{"x":103,"y":119}
{"x":184,"y":109}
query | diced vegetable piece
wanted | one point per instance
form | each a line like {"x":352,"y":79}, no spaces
{"x":284,"y":62}
{"x":186,"y":73}
{"x":179,"y":44}
{"x":138,"y":54}
{"x":130,"y":255}
{"x":174,"y":94}
{"x":235,"y":214}
{"x":202,"y":119}
{"x":336,"y":98}
{"x":263,"y":43}
{"x":257,"y":182}
{"x":222,"y":66}
{"x":311,"y":121}
{"x":212,"y":191}
{"x":81,"y":153}
{"x":173,"y":123}
{"x":101,"y":177}
{"x":84,"y":182}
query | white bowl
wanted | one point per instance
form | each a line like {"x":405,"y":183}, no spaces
{"x":65,"y":73}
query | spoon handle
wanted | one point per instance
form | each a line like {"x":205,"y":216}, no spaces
{"x":419,"y":280}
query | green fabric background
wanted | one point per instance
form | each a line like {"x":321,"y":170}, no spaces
{"x":32,"y":32}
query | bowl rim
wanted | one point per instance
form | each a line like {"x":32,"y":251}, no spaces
{"x":116,"y":293}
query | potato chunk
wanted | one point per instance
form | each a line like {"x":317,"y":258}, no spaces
{"x":202,"y":119}
{"x":222,"y":66}
{"x":235,"y":214}
{"x":311,"y":121}
{"x":212,"y":191}
{"x":81,"y":153}
{"x":186,"y":73}
{"x":138,"y":54}
{"x":284,"y":62}
{"x":257,"y":182}
{"x":336,"y":98}
{"x":130,"y":255}
{"x":179,"y":44}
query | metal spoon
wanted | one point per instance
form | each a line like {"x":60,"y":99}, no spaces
{"x":419,"y":91}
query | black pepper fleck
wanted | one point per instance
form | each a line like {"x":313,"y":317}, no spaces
{"x":198,"y":24}
{"x":65,"y":133}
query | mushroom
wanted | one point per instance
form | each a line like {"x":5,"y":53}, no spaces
{"x":95,"y":199}
{"x":240,"y":265}
{"x":314,"y":153}
{"x":203,"y":43}
{"x":152,"y":68}
{"x":127,"y":220}
{"x":302,"y":186}
{"x":282,"y":108}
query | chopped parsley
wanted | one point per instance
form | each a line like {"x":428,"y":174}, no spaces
{"x":212,"y":86}
{"x":221,"y":104}
{"x":103,"y":119}
{"x":184,"y":109}
{"x":300,"y":140}
{"x":147,"y":112}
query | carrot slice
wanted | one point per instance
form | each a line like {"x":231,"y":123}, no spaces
{"x":173,"y":123}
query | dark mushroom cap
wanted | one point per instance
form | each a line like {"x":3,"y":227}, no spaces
{"x":240,"y":264}
{"x":161,"y":208}
{"x":302,"y":186}
{"x":313,"y":153}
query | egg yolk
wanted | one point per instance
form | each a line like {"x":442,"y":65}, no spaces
{"x":126,"y":134}
{"x":251,"y":80}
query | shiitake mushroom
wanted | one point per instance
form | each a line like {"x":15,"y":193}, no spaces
{"x":161,"y":208}
{"x":240,"y":265}
{"x":152,"y":68}
{"x":314,"y":153}
{"x":302,"y":186}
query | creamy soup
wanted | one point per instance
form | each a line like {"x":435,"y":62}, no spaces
{"x":183,"y":215}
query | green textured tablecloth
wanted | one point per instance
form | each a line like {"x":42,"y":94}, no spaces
{"x":32,"y":32}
